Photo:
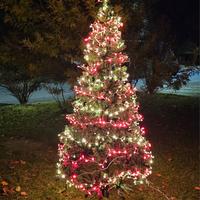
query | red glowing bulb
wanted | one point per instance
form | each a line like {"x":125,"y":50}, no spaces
{"x":74,"y":176}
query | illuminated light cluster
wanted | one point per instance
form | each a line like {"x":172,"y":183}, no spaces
{"x":117,"y":58}
{"x":118,"y":111}
{"x":137,"y":174}
{"x":92,"y":69}
{"x":104,"y":143}
{"x":97,"y":108}
{"x":109,"y":31}
{"x":93,"y":86}
{"x":101,"y":122}
{"x":75,"y":164}
{"x":114,"y":76}
{"x":101,"y":96}
{"x":67,"y":135}
{"x":115,"y":152}
{"x":142,"y":131}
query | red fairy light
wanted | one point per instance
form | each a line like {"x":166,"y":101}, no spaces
{"x":74,"y":176}
{"x":86,"y":40}
{"x":149,"y":144}
{"x":109,"y":60}
{"x":92,"y":71}
{"x":65,"y":163}
{"x":112,"y":39}
{"x":89,"y":193}
{"x":143,"y":130}
{"x":74,"y":165}
{"x":60,"y":147}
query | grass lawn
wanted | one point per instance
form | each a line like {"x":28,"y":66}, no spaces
{"x":28,"y":150}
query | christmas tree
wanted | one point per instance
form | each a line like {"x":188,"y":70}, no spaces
{"x":104,"y":147}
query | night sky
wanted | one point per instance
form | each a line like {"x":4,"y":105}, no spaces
{"x":184,"y":18}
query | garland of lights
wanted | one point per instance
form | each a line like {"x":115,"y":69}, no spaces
{"x":104,"y":147}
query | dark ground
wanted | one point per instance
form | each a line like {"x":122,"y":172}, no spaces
{"x":28,"y":150}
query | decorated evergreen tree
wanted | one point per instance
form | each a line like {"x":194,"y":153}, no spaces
{"x":104,"y":147}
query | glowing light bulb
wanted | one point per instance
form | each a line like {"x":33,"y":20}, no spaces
{"x":84,"y":140}
{"x":96,"y":143}
{"x":86,"y":57}
{"x":89,"y":145}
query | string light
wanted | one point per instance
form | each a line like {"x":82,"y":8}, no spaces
{"x":103,"y":144}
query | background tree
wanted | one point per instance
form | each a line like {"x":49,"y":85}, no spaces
{"x":50,"y":32}
{"x":159,"y":66}
{"x":45,"y":35}
{"x":18,"y":82}
{"x":151,"y":47}
{"x":15,"y":64}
